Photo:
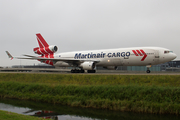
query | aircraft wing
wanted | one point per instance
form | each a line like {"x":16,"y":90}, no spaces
{"x":11,"y":57}
{"x":65,"y":59}
{"x":42,"y":59}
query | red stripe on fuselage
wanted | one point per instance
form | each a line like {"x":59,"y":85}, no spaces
{"x":144,"y":55}
{"x":50,"y":62}
{"x":135,"y":52}
{"x":139,"y":52}
{"x":51,"y":56}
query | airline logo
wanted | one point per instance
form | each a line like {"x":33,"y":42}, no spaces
{"x":140,"y":53}
{"x":101,"y":55}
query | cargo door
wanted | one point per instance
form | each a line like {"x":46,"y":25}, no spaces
{"x":156,"y":56}
{"x":125,"y":60}
{"x":117,"y":62}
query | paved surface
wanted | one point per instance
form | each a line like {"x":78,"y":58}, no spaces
{"x":67,"y":71}
{"x":94,"y":73}
{"x":134,"y":73}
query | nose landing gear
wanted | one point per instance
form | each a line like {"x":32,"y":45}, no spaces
{"x":148,"y":71}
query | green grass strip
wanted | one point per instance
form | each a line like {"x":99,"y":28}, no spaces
{"x":80,"y":79}
{"x":149,"y":94}
{"x":4,"y":115}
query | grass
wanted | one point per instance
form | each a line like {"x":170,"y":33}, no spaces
{"x":55,"y":79}
{"x":138,"y":93}
{"x":4,"y":115}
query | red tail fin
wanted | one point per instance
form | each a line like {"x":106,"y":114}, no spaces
{"x":41,"y":41}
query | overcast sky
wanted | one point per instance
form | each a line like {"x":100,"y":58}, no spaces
{"x":75,"y":25}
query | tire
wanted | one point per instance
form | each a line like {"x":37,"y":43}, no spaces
{"x":72,"y":71}
{"x":91,"y":71}
{"x":148,"y":71}
{"x":81,"y":71}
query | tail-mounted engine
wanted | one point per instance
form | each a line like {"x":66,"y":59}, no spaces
{"x":45,"y":50}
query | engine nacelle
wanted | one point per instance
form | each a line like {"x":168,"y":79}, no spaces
{"x":46,"y":50}
{"x":87,"y":65}
{"x":110,"y":67}
{"x":61,"y":64}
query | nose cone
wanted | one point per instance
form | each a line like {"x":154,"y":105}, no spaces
{"x":173,"y":56}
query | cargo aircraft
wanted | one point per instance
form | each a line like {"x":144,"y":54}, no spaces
{"x":107,"y":58}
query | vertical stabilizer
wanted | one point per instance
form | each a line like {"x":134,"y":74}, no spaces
{"x":41,"y":41}
{"x":9,"y":55}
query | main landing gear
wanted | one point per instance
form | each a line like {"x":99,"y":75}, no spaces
{"x":82,"y":71}
{"x":77,"y":71}
{"x":91,"y":71}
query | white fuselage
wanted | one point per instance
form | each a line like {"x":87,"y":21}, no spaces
{"x":136,"y":56}
{"x":107,"y":58}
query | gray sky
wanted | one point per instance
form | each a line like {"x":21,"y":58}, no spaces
{"x":87,"y":24}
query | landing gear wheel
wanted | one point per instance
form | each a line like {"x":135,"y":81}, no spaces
{"x":72,"y":71}
{"x":91,"y":71}
{"x":81,"y":71}
{"x":148,"y":66}
{"x":77,"y":71}
{"x":148,"y":71}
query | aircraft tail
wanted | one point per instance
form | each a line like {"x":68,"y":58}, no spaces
{"x":41,"y":41}
{"x":9,"y":55}
{"x":44,"y":48}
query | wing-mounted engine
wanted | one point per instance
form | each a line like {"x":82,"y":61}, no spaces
{"x":45,"y":50}
{"x":110,"y":67}
{"x":87,"y":65}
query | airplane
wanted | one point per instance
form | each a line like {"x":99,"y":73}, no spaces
{"x":107,"y":58}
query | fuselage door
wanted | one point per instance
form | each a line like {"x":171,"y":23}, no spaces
{"x":156,"y":56}
{"x":156,"y":53}
{"x":125,"y":60}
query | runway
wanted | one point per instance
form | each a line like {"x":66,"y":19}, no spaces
{"x":67,"y":73}
{"x":98,"y":72}
{"x":127,"y":73}
{"x":121,"y":73}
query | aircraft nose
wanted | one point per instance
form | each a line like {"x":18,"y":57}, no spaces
{"x":173,"y":56}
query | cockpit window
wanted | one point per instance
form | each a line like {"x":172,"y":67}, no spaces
{"x":165,"y":52}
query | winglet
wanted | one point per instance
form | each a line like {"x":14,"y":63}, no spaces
{"x":9,"y":55}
